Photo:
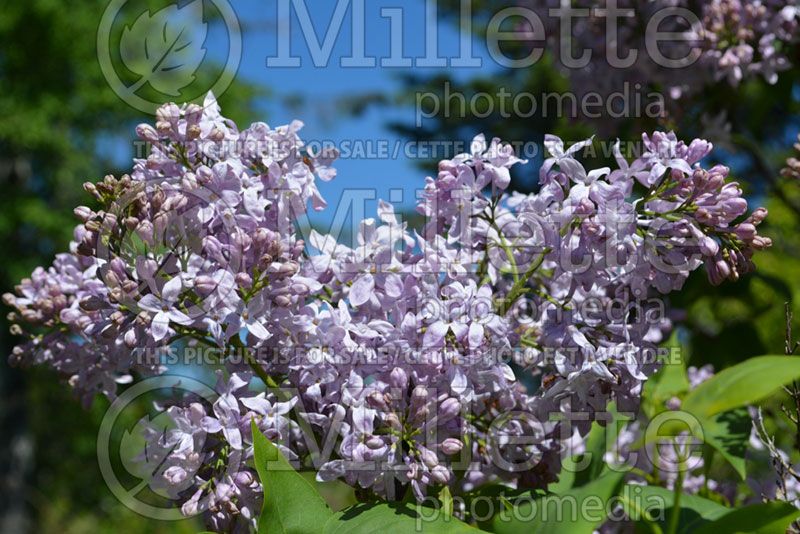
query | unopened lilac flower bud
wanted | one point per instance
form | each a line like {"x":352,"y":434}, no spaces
{"x":398,"y":378}
{"x":168,"y":113}
{"x":745,"y":231}
{"x":92,"y":303}
{"x":244,"y":280}
{"x":204,"y":175}
{"x":284,"y":269}
{"x":157,"y":199}
{"x":189,"y":182}
{"x":111,"y":279}
{"x":419,"y":396}
{"x":708,"y":246}
{"x":117,"y":317}
{"x":204,"y":285}
{"x":300,"y":288}
{"x":175,"y":202}
{"x":92,"y":226}
{"x":213,"y":248}
{"x":130,"y":287}
{"x":131,"y":223}
{"x":734,"y":207}
{"x":674,"y":403}
{"x":376,"y":400}
{"x":718,"y":270}
{"x":90,"y":188}
{"x":147,"y":133}
{"x":449,"y":409}
{"x":758,"y":215}
{"x":452,"y":446}
{"x":447,"y":167}
{"x":289,"y":268}
{"x":275,"y":248}
{"x":392,"y":420}
{"x":702,"y":215}
{"x":244,"y":479}
{"x":86,"y":246}
{"x":264,"y":261}
{"x":375,"y":442}
{"x":109,"y":222}
{"x":297,"y":248}
{"x":428,"y":457}
{"x":130,"y":338}
{"x":413,"y":471}
{"x":216,"y":135}
{"x":145,"y":232}
{"x":440,"y":474}
{"x":175,"y":475}
{"x":192,"y":507}
{"x":283,"y":301}
{"x":760,"y":242}
{"x":715,"y":182}
{"x":242,"y":240}
{"x":83,"y":213}
{"x":193,"y":132}
{"x":261,"y":237}
{"x":116,"y":295}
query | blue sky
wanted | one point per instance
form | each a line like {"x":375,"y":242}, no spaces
{"x":320,"y":87}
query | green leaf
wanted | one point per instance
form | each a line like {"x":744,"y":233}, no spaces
{"x":394,"y":518}
{"x":447,"y":502}
{"x":582,"y":469}
{"x":765,"y":518}
{"x":729,"y":433}
{"x":576,"y":511}
{"x":742,"y":384}
{"x":670,"y":381}
{"x":657,"y":503}
{"x":291,"y":503}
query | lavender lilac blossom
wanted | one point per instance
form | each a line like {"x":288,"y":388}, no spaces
{"x":421,"y":355}
{"x":721,"y":40}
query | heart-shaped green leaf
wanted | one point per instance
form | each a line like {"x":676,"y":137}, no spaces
{"x":395,"y":518}
{"x":576,"y":511}
{"x":742,"y":384}
{"x":291,"y":504}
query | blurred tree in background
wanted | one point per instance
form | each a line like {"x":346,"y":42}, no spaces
{"x":61,"y":125}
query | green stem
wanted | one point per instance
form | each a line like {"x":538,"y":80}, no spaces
{"x":519,"y":285}
{"x":257,"y":369}
{"x":644,"y":514}
{"x":676,"y":500}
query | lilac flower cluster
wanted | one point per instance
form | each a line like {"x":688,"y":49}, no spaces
{"x":728,"y":40}
{"x":792,"y":168}
{"x":749,"y":38}
{"x":408,"y":361}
